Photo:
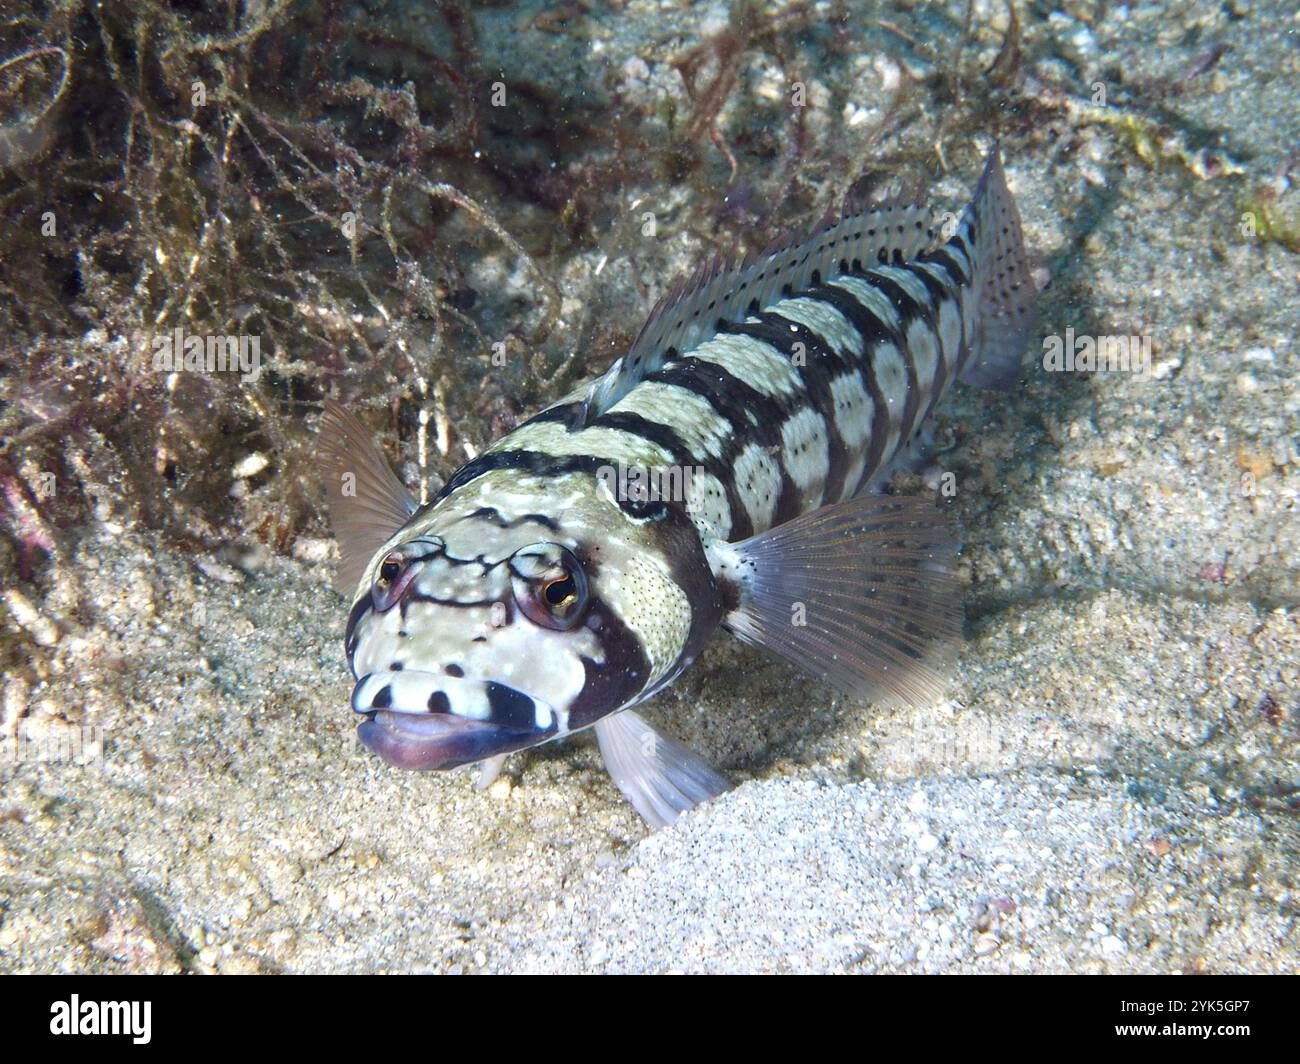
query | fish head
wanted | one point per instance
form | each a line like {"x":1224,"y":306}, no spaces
{"x":486,"y":627}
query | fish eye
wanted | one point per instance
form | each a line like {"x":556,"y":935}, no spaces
{"x":550,"y":586}
{"x":561,"y":593}
{"x":389,"y":570}
{"x":392,"y":578}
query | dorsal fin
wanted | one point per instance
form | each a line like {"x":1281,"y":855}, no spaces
{"x":723,"y":289}
{"x":367,"y":502}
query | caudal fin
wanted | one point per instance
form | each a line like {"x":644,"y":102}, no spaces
{"x":1006,"y":294}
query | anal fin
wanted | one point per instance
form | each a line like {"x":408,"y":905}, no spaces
{"x":660,"y":777}
{"x":860,"y":594}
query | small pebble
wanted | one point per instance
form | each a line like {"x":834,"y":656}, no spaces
{"x":250,"y":466}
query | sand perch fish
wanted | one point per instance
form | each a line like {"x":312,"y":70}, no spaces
{"x":549,"y":587}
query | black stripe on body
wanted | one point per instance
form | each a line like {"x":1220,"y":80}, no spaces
{"x":791,"y":502}
{"x":656,"y":432}
{"x":874,"y":332}
{"x":537,"y":463}
{"x":939,"y":292}
{"x":755,"y":418}
{"x":965,"y":238}
{"x":492,"y":514}
{"x":666,"y":437}
{"x":908,"y":309}
{"x":949,"y":260}
{"x":549,"y":466}
{"x":359,"y":609}
{"x":821,"y":363}
{"x":561,"y":412}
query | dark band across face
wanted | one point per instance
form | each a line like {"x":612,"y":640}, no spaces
{"x":624,"y":677}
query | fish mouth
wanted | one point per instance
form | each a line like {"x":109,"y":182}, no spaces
{"x":428,"y":721}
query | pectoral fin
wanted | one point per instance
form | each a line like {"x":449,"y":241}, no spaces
{"x":859,"y":593}
{"x":660,"y":777}
{"x":367,"y":502}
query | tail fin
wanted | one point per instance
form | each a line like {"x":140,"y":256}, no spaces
{"x":1006,"y":295}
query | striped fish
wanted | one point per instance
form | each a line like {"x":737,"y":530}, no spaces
{"x":723,"y":473}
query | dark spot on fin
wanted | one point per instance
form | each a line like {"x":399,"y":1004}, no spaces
{"x":725,"y":288}
{"x":1006,"y":294}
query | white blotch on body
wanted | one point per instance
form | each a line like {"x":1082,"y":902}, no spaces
{"x":834,"y":329}
{"x":907,"y":281}
{"x":890,"y":374}
{"x":854,"y":410}
{"x":701,"y":428}
{"x":806,"y":453}
{"x":922,"y":346}
{"x":758,"y":481}
{"x":758,"y":364}
{"x":708,"y":506}
{"x":551,"y":438}
{"x":872,"y":298}
{"x":950,"y":333}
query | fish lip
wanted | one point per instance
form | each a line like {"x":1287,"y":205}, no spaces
{"x":435,"y":741}
{"x":422,"y":726}
{"x":423,"y":742}
{"x":422,"y":738}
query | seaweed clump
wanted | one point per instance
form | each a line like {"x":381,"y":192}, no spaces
{"x":224,"y":176}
